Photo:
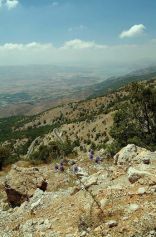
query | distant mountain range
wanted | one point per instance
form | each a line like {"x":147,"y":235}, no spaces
{"x":114,"y":83}
{"x":29,"y":90}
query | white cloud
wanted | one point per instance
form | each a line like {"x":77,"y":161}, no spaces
{"x":38,"y":46}
{"x":10,"y":4}
{"x":80,"y":44}
{"x":135,"y":30}
{"x":77,"y":52}
{"x":76,"y":44}
{"x":11,"y":46}
{"x":29,"y":46}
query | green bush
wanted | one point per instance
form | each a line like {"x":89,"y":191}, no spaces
{"x":55,"y":150}
{"x":135,"y":121}
{"x":41,"y":156}
{"x":4,"y":156}
{"x":112,"y":148}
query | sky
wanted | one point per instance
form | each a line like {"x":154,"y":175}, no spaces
{"x":78,"y":32}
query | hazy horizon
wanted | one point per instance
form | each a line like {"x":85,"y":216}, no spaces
{"x":85,"y":33}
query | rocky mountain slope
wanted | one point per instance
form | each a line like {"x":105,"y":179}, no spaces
{"x":113,"y":197}
{"x":65,"y":180}
{"x":85,"y":122}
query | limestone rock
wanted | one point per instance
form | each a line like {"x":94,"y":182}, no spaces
{"x":89,"y":181}
{"x":133,"y":207}
{"x":84,"y":233}
{"x":33,"y":226}
{"x":82,"y":172}
{"x":109,"y":206}
{"x":112,"y":223}
{"x":126,"y":154}
{"x":132,"y":154}
{"x":134,"y":175}
{"x":21,"y":183}
{"x":141,"y":191}
{"x":104,"y":202}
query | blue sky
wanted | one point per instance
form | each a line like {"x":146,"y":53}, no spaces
{"x":62,"y":22}
{"x":103,"y":20}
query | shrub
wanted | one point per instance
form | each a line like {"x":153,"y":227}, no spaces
{"x":135,"y":121}
{"x":112,"y":148}
{"x":54,"y":150}
{"x":4,"y":156}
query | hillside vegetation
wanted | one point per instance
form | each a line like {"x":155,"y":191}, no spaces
{"x":107,"y":122}
{"x":75,"y":173}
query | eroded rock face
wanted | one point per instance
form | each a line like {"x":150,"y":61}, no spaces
{"x":15,"y":198}
{"x":21,"y":183}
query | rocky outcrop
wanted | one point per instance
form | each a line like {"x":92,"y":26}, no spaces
{"x":89,"y":181}
{"x":132,"y":154}
{"x":134,"y":175}
{"x":103,"y":200}
{"x":32,"y":146}
{"x":21,"y":183}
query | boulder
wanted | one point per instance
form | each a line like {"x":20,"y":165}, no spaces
{"x":132,"y":154}
{"x":134,"y":175}
{"x":21,"y":183}
{"x":127,"y":154}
